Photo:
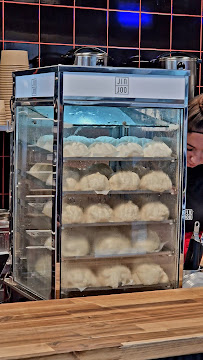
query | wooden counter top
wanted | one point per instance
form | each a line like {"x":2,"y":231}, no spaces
{"x":133,"y":326}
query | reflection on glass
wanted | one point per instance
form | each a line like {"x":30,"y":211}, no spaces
{"x":120,"y":203}
{"x":120,"y":185}
{"x":32,"y":225}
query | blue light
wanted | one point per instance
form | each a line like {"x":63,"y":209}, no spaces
{"x":130,"y":19}
{"x":146,"y":20}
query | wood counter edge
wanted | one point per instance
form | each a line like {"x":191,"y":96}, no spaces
{"x":145,"y":350}
{"x":161,"y":347}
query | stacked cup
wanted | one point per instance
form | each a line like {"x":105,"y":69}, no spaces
{"x":11,"y":60}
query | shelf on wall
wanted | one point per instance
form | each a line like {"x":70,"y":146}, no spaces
{"x":6,"y":128}
{"x":3,"y":128}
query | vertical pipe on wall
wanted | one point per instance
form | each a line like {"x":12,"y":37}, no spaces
{"x":74,"y":24}
{"x":140,"y":23}
{"x":171,"y":25}
{"x":107,"y":27}
{"x":39,"y":35}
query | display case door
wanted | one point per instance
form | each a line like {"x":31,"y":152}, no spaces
{"x":33,"y":187}
{"x":122,"y":203}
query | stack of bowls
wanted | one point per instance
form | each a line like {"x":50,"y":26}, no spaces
{"x":2,"y":113}
{"x":11,"y":60}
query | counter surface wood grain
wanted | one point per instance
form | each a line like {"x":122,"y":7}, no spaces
{"x":133,"y":326}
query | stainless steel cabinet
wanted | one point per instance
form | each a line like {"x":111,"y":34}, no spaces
{"x":98,"y":185}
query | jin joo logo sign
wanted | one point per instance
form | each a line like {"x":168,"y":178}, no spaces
{"x":122,"y":85}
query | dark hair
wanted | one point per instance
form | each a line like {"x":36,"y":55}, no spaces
{"x":195,"y":114}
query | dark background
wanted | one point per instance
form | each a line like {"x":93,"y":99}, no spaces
{"x":123,"y":28}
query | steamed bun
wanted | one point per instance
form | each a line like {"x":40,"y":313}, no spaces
{"x":124,"y":180}
{"x":98,"y":213}
{"x":126,"y":212}
{"x":154,"y":211}
{"x":105,"y":139}
{"x":72,"y":214}
{"x":97,"y":182}
{"x":70,"y":184}
{"x":128,"y":139}
{"x":75,"y":149}
{"x":102,"y":150}
{"x":156,"y":181}
{"x":145,"y":241}
{"x":78,"y":139}
{"x":114,"y":276}
{"x":77,"y":277}
{"x":74,"y":243}
{"x":129,"y":150}
{"x":135,"y":278}
{"x":157,"y":149}
{"x":71,"y":177}
{"x":149,"y":274}
{"x":111,"y":243}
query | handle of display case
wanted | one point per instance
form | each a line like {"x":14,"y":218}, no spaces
{"x":11,"y":127}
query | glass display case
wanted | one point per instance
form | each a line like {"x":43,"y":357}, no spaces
{"x":99,"y":179}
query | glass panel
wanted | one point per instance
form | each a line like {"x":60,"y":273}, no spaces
{"x":121,"y":186}
{"x":33,"y":189}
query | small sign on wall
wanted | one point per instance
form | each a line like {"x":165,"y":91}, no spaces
{"x":189,"y":214}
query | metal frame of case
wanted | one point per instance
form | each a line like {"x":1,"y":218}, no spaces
{"x":57,"y":100}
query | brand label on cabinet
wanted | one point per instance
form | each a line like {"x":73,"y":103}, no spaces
{"x":36,"y":85}
{"x":144,"y":86}
{"x":122,"y":85}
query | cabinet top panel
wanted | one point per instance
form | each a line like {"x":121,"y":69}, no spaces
{"x":103,"y":84}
